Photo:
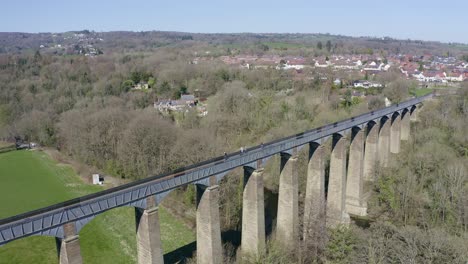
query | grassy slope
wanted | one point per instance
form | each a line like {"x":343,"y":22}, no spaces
{"x":30,"y":179}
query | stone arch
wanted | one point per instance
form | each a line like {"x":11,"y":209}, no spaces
{"x":395,"y":115}
{"x":405,"y":111}
{"x":384,"y":119}
{"x":413,"y":108}
{"x":354,"y":131}
{"x":370,"y":125}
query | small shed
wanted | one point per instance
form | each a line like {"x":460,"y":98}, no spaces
{"x":98,"y":179}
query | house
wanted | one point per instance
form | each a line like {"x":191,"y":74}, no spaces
{"x":288,"y":67}
{"x":376,"y":67}
{"x":434,"y":76}
{"x":185,"y":101}
{"x":322,"y":63}
{"x":455,"y":77}
{"x":348,"y":64}
{"x":188,"y":98}
{"x":141,"y":86}
{"x":419,"y":76}
{"x":366,"y":84}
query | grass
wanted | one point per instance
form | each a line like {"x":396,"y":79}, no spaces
{"x":422,"y":91}
{"x":30,"y":180}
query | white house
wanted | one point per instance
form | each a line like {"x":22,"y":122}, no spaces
{"x":419,"y":76}
{"x":434,"y":76}
{"x":347,"y":64}
{"x":322,"y":63}
{"x":288,"y":67}
{"x":454,"y":77}
{"x":367,"y":84}
{"x":373,"y":66}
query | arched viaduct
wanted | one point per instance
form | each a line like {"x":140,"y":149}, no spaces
{"x":369,"y":138}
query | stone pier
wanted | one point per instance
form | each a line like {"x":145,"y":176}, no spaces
{"x":253,"y":214}
{"x":414,"y":114}
{"x":405,"y":126}
{"x":287,"y":222}
{"x":395,"y":135}
{"x":209,"y":248}
{"x":314,"y":203}
{"x":149,"y":250}
{"x":337,"y":183}
{"x":355,"y":202}
{"x":384,"y":141}
{"x":68,"y":248}
{"x":371,"y":150}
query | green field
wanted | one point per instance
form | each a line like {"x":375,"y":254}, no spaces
{"x":421,"y":91}
{"x":30,"y":180}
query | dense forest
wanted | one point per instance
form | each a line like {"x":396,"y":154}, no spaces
{"x":86,"y":107}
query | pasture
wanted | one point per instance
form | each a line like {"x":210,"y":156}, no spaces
{"x":30,"y":180}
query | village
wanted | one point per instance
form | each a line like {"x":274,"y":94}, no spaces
{"x":425,"y":69}
{"x":361,"y":73}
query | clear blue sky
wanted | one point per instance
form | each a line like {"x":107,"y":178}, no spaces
{"x":416,"y":19}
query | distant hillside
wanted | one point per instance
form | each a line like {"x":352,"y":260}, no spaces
{"x":79,"y":41}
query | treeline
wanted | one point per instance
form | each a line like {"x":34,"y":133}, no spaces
{"x":130,"y":143}
{"x":86,"y":107}
{"x":225,"y":44}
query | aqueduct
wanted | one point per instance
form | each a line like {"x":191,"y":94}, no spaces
{"x":369,"y":138}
